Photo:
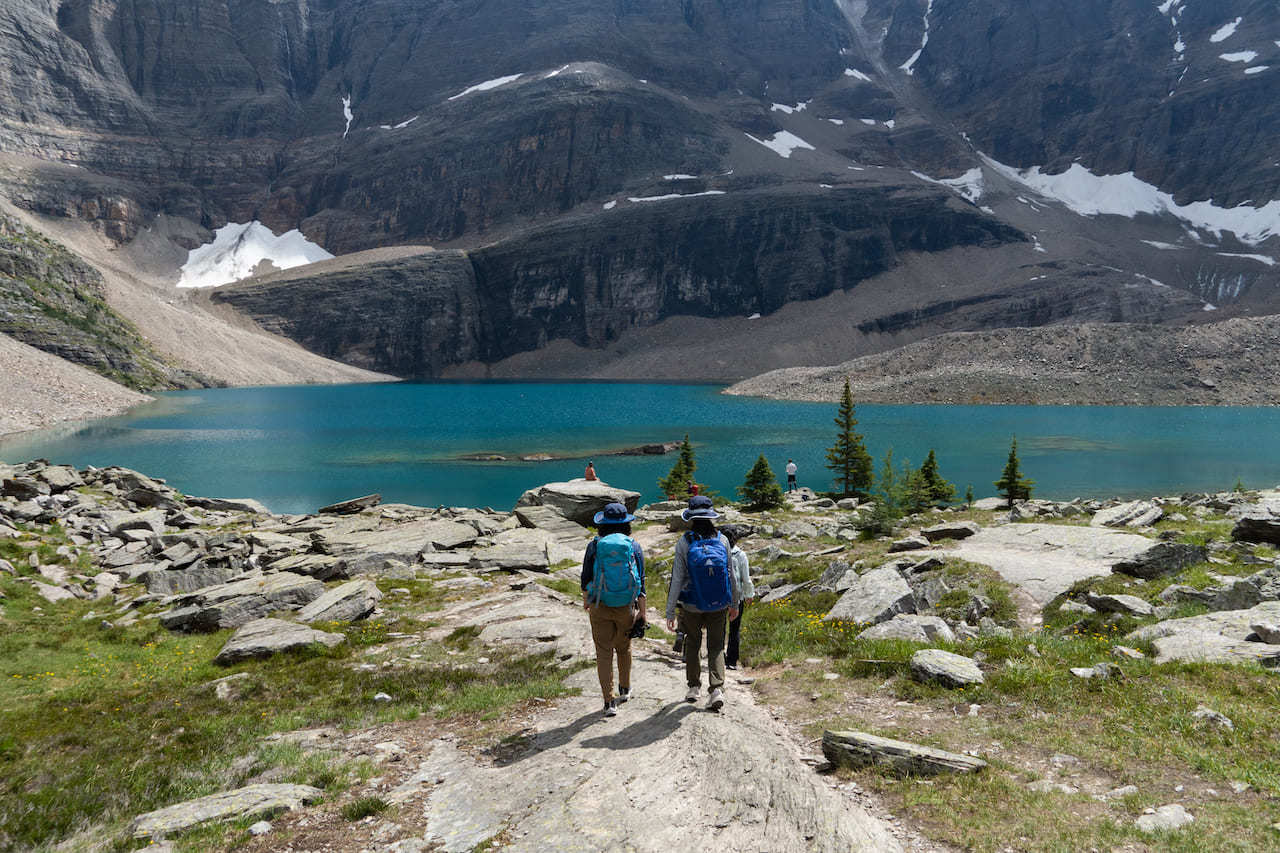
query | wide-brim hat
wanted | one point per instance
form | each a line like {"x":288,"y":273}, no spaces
{"x":700,"y":507}
{"x":614,"y":513}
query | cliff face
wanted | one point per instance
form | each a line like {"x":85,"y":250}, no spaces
{"x":536,"y":137}
{"x":588,"y":284}
{"x":53,"y":301}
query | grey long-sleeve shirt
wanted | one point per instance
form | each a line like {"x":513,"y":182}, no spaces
{"x":680,"y":577}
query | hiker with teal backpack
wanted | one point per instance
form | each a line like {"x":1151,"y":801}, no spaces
{"x":613,"y":596}
{"x":706,"y":590}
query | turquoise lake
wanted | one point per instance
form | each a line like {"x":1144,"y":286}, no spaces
{"x":299,"y":448}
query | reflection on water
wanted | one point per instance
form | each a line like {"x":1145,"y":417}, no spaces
{"x":298,"y":448}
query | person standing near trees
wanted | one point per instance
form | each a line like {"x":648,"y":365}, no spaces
{"x":741,"y":568}
{"x":613,"y":596}
{"x":706,"y":590}
{"x":791,"y":475}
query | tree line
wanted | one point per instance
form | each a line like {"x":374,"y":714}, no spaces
{"x":898,"y":489}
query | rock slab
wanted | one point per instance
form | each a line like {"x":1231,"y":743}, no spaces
{"x":946,"y":668}
{"x":345,"y":603}
{"x":579,"y":500}
{"x":876,"y":597}
{"x":859,"y":749}
{"x":265,"y":637}
{"x":251,"y":801}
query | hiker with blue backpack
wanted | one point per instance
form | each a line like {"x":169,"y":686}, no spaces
{"x":706,"y":590}
{"x":613,"y":596}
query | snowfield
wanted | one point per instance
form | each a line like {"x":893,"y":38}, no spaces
{"x":238,"y":248}
{"x":782,"y":143}
{"x":1126,"y":195}
{"x":487,"y":85}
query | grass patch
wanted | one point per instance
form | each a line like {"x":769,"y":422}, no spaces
{"x":364,"y":807}
{"x":99,"y":725}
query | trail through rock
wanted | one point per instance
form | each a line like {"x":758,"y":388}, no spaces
{"x":663,"y":774}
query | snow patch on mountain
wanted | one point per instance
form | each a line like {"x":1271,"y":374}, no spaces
{"x":1226,"y":31}
{"x":1262,"y":259}
{"x":857,"y":75}
{"x":1257,"y":69}
{"x":1166,"y":246}
{"x":909,"y":65}
{"x":1126,"y":195}
{"x":238,"y":248}
{"x":347,"y":114}
{"x":486,"y":85}
{"x":782,"y":143}
{"x":1241,"y":56}
{"x":679,"y":177}
{"x":670,"y":196}
{"x":783,"y":108}
{"x":970,"y":185}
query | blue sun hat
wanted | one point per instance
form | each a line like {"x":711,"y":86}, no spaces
{"x":614,"y":513}
{"x":700,"y":506}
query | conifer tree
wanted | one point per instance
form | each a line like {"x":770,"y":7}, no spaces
{"x":761,"y":490}
{"x":1012,"y":486}
{"x":677,"y":482}
{"x":937,"y":491}
{"x":848,"y":457}
{"x":968,"y":496}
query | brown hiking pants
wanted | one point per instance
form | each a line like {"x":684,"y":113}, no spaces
{"x":611,"y":631}
{"x":693,"y":625}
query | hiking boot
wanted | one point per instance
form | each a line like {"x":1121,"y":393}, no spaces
{"x":624,"y":693}
{"x":691,"y":695}
{"x":716,"y":701}
{"x":730,"y":666}
{"x":611,"y":708}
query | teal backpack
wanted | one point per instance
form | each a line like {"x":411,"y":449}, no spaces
{"x":616,"y":581}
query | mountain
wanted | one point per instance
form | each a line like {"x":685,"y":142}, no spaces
{"x":607,"y":188}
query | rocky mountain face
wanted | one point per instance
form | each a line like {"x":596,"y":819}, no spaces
{"x":605,"y":166}
{"x":55,"y":302}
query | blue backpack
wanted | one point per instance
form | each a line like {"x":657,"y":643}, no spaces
{"x":709,"y":587}
{"x":616,"y":580}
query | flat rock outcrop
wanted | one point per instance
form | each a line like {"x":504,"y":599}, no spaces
{"x":877,"y":596}
{"x":261,"y":800}
{"x":946,"y":668}
{"x":860,"y":749}
{"x":265,"y":637}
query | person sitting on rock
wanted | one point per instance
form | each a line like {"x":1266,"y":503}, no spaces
{"x":741,"y":567}
{"x":590,"y":473}
{"x":613,"y":596}
{"x":706,"y":589}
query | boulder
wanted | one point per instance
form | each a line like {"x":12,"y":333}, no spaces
{"x":950,"y":530}
{"x":175,"y":581}
{"x":1129,"y":604}
{"x":796,"y":530}
{"x":234,"y":604}
{"x":1162,"y":558}
{"x":876,"y":597}
{"x":548,"y":519}
{"x":1234,"y":594}
{"x":60,"y":478}
{"x":1195,"y":646}
{"x":910,"y":543}
{"x":23,"y":488}
{"x":153,"y":500}
{"x":52,"y":594}
{"x":151,"y":520}
{"x":910,"y":626}
{"x":265,"y":637}
{"x":1131,"y":514}
{"x":949,"y":670}
{"x":1257,"y":528}
{"x":1267,"y":632}
{"x":511,"y":557}
{"x":251,"y":801}
{"x":229,"y":505}
{"x":345,"y":603}
{"x":352,"y":506}
{"x":1165,"y":819}
{"x":579,"y":500}
{"x":1233,"y":624}
{"x":782,"y":592}
{"x":319,"y":566}
{"x":859,"y":749}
